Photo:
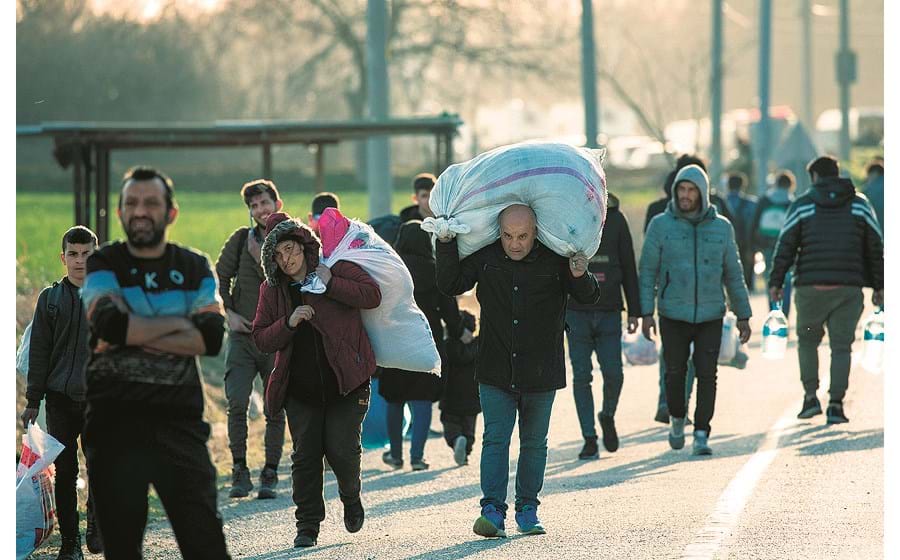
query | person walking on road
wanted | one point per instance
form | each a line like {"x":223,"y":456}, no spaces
{"x":833,"y":235}
{"x":522,"y":290}
{"x":153,"y":308}
{"x":240,"y":274}
{"x":319,"y":203}
{"x":423,"y":184}
{"x":689,"y":255}
{"x":598,"y":328}
{"x":323,"y":362}
{"x":460,"y":405}
{"x":58,"y":356}
{"x":768,"y":220}
{"x":743,"y":207}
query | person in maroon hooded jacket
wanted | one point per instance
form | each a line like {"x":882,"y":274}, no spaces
{"x":323,"y":362}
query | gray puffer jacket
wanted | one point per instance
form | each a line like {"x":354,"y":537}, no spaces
{"x":688,"y":260}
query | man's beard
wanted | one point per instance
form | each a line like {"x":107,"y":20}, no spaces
{"x":143,"y":239}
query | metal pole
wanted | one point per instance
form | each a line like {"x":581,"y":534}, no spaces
{"x":378,"y":159}
{"x":77,"y":184}
{"x":320,"y":167}
{"x":846,"y":76}
{"x":762,"y":137}
{"x":806,"y":19}
{"x":267,"y":161}
{"x":589,"y":73}
{"x":715,"y":148}
{"x":102,"y":218}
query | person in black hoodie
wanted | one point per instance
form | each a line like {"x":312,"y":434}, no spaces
{"x":58,"y":356}
{"x":460,"y":405}
{"x":832,"y":233}
{"x":418,"y":389}
{"x":598,"y":328}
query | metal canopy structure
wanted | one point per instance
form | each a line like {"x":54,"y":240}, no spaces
{"x":86,"y":146}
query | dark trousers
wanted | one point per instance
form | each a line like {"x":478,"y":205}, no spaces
{"x":126,"y":455}
{"x":677,"y":337}
{"x":332,"y":431}
{"x":456,"y":425}
{"x":65,"y":421}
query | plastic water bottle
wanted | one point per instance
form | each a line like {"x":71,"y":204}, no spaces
{"x":873,"y":341}
{"x":775,"y":335}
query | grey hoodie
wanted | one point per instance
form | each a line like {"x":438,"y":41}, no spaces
{"x":689,"y":261}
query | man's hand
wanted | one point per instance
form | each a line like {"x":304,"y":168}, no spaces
{"x":324,"y":273}
{"x":632,"y":325}
{"x":29,"y":416}
{"x":878,"y":298}
{"x":648,"y":324}
{"x":301,"y":313}
{"x":237,"y":323}
{"x":776,"y":294}
{"x":744,"y":330}
{"x":578,"y":263}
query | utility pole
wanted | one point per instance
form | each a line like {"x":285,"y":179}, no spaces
{"x":846,"y":75}
{"x":806,"y":23}
{"x":762,"y":136}
{"x":378,"y":160}
{"x":589,"y":73}
{"x":715,"y":88}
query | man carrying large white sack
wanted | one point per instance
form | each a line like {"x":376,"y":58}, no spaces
{"x":523,"y":287}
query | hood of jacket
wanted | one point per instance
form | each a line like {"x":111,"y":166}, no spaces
{"x":693,"y":174}
{"x":832,"y":192}
{"x":279,"y":227}
{"x":612,"y":202}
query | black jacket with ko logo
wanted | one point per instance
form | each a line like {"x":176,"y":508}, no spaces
{"x":523,"y":311}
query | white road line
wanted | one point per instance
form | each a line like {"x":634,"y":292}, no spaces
{"x":725,"y":515}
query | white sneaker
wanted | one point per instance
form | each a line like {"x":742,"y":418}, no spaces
{"x":459,"y":451}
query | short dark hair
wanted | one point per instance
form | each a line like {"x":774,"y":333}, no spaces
{"x":325,"y":200}
{"x":689,"y":159}
{"x":737,"y":180}
{"x":145,"y":173}
{"x":875,"y":166}
{"x":423,"y":182}
{"x":825,"y":166}
{"x":785,"y":179}
{"x":78,"y":235}
{"x":257,"y":187}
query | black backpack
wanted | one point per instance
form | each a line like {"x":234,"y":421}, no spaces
{"x":387,"y":227}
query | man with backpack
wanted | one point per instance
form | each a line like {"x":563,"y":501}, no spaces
{"x":240,"y":274}
{"x":768,"y":220}
{"x":58,"y":354}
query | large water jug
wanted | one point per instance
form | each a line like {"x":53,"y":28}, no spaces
{"x":873,"y":341}
{"x":775,"y":335}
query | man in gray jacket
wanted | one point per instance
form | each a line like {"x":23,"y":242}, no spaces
{"x":689,"y":255}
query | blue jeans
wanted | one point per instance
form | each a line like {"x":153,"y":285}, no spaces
{"x":499,"y":408}
{"x":769,"y":255}
{"x":421,"y":421}
{"x":589,"y":332}
{"x":688,"y":385}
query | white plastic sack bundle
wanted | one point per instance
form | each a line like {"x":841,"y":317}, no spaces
{"x":35,"y":502}
{"x":638,"y":350}
{"x":23,"y":351}
{"x":398,"y":330}
{"x":564,"y":185}
{"x":730,"y":341}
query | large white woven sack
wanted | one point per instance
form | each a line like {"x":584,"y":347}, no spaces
{"x":398,"y":330}
{"x":564,"y":185}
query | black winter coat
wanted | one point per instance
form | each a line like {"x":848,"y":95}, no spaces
{"x":833,"y":234}
{"x":523,"y":311}
{"x":460,"y":387}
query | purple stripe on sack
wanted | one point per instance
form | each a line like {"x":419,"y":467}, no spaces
{"x":592,"y":191}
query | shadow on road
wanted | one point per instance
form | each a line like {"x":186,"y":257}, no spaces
{"x":461,"y":550}
{"x":293,"y":552}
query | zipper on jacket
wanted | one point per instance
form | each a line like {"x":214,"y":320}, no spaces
{"x":74,"y":347}
{"x":662,"y":295}
{"x":696,"y":275}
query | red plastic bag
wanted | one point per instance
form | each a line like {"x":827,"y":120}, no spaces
{"x":35,"y":501}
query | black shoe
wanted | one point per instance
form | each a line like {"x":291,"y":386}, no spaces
{"x":70,"y":549}
{"x":834,"y":414}
{"x":305,"y":538}
{"x":354,"y":515}
{"x":268,"y":480}
{"x":92,"y":537}
{"x":811,"y":407}
{"x":610,"y":437}
{"x":241,"y":485}
{"x":662,"y":415}
{"x":389,"y":460}
{"x":590,"y":450}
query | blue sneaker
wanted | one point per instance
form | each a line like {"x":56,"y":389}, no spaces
{"x":528,"y":521}
{"x":490,"y":524}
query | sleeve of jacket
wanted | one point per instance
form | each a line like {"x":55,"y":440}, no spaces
{"x":226,"y":267}
{"x":755,"y":240}
{"x":786,"y":247}
{"x":648,"y":273}
{"x":874,"y":248}
{"x":41,"y":345}
{"x":738,"y":297}
{"x":629,"y":272}
{"x":269,"y":331}
{"x":454,"y":276}
{"x":449,"y":310}
{"x":584,"y":289}
{"x":351,"y":285}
